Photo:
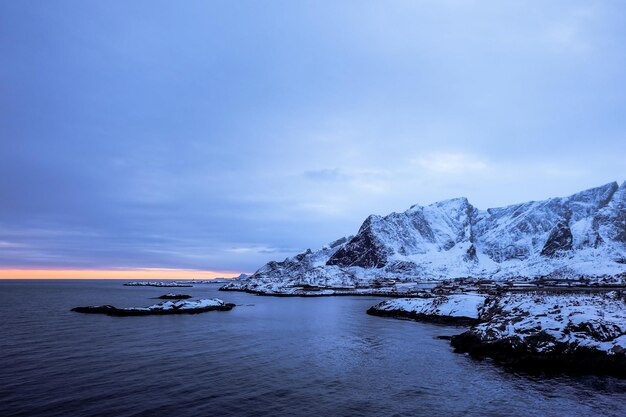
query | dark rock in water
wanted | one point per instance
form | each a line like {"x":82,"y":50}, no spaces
{"x":174,"y":297}
{"x":551,"y":333}
{"x":560,"y":240}
{"x":522,"y":357}
{"x":103,"y":309}
{"x":428,"y":318}
{"x":168,"y":307}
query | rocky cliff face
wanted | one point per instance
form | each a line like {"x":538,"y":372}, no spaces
{"x":580,"y":235}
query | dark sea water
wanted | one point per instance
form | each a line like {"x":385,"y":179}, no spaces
{"x":267,"y":357}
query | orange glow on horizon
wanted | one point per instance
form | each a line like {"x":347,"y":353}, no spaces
{"x":143,"y":273}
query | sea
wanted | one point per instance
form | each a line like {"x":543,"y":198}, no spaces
{"x":268,"y":356}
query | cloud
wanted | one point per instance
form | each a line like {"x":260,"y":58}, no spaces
{"x":450,"y":163}
{"x":334,"y":174}
{"x":9,"y":245}
{"x":258,"y":249}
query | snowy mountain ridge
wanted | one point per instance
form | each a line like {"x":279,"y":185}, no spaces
{"x":580,"y":235}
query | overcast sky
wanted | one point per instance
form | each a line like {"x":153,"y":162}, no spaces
{"x":219,"y":135}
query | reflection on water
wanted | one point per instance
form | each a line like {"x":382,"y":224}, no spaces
{"x":268,"y":356}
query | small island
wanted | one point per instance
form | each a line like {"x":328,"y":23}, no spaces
{"x":168,"y":307}
{"x":156,"y":284}
{"x":172,"y":296}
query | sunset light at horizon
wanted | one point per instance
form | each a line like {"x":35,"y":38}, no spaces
{"x":142,"y":273}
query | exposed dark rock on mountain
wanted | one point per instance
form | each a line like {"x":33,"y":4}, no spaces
{"x":560,"y":240}
{"x":364,"y":250}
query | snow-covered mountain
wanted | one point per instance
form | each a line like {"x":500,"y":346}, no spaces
{"x":580,"y":235}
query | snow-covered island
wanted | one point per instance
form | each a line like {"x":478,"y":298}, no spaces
{"x":533,"y":331}
{"x":210,"y":281}
{"x":156,"y":284}
{"x":452,"y":309}
{"x":168,"y":307}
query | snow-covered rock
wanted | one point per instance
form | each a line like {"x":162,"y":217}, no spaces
{"x":533,"y":331}
{"x":168,"y":307}
{"x":577,"y":236}
{"x":595,"y":321}
{"x":451,"y":308}
{"x":582,"y":333}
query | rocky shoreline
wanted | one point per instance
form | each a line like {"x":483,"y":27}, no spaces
{"x":329,"y":292}
{"x":534,"y":326}
{"x":533,"y":333}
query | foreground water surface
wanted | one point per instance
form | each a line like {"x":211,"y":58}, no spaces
{"x":268,"y":356}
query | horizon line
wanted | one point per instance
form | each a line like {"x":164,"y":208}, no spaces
{"x":113,"y":273}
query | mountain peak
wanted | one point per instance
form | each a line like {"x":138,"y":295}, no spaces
{"x":450,"y":203}
{"x":580,"y":235}
{"x":597,"y":195}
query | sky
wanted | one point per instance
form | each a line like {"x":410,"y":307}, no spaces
{"x":218,"y":135}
